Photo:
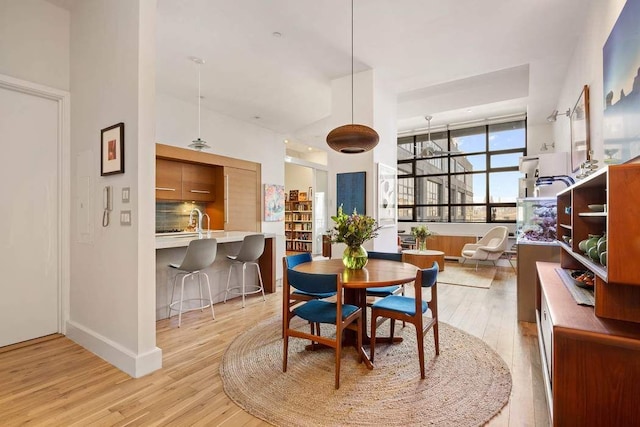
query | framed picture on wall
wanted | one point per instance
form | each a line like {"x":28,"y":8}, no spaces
{"x":274,"y":197}
{"x":351,"y":192}
{"x":112,"y":150}
{"x":387,"y":203}
{"x":580,"y":145}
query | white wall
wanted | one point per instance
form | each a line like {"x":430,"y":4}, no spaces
{"x":297,"y":177}
{"x":177,"y":124}
{"x":34,"y":42}
{"x":112,"y":291}
{"x":586,"y":69}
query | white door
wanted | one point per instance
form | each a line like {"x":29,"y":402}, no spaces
{"x":29,"y":276}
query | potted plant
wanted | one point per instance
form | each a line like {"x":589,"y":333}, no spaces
{"x":353,"y":230}
{"x":421,"y":232}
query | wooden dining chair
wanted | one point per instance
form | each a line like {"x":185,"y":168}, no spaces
{"x":411,"y":310}
{"x":385,"y":291}
{"x":297,"y":296}
{"x":318,"y":311}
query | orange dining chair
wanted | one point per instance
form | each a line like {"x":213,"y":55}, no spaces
{"x":317,"y":311}
{"x":411,"y":310}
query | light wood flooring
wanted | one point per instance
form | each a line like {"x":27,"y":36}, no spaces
{"x":57,"y":382}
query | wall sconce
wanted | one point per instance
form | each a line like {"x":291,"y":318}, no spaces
{"x":554,"y":116}
{"x":546,"y":147}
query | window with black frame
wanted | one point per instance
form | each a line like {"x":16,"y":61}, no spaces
{"x":461,"y":175}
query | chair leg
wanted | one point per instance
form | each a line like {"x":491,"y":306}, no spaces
{"x":181,"y":299}
{"x":420,"y":339}
{"x":210,"y":295}
{"x":338,"y":354}
{"x":228,"y":281}
{"x":285,"y":346}
{"x":436,"y":339}
{"x":244,"y":270}
{"x":372,"y":347}
{"x":200,"y":288}
{"x":260,"y":278}
{"x":392,"y":328}
{"x":173,"y":290}
{"x":359,"y":338}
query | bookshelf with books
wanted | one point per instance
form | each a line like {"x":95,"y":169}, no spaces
{"x":298,"y":223}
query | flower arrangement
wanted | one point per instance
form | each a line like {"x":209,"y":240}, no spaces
{"x":354,"y":229}
{"x":421,"y":232}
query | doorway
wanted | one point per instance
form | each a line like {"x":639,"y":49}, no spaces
{"x":306,"y":209}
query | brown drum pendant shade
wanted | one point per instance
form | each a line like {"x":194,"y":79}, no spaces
{"x":352,"y":138}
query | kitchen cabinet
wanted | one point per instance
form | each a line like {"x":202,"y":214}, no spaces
{"x":177,"y":180}
{"x":168,"y":180}
{"x":198,"y":182}
{"x":241,"y":209}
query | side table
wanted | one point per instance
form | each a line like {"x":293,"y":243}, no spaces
{"x":423,"y":259}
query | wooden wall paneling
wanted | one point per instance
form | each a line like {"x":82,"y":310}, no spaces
{"x":241,"y":197}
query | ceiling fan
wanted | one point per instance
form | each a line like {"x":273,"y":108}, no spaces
{"x":429,"y":151}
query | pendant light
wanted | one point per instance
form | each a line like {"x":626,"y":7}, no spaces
{"x":352,"y":138}
{"x":198,"y":144}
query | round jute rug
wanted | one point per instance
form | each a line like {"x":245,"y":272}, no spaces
{"x":466,"y":385}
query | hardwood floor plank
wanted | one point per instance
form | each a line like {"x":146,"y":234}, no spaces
{"x":58,"y":382}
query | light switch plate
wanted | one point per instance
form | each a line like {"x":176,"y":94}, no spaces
{"x":125,"y":194}
{"x":125,"y":217}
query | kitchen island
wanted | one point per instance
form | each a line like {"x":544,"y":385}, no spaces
{"x":171,"y":248}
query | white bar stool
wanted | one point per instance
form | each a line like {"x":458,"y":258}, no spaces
{"x":200,"y":254}
{"x":251,"y":249}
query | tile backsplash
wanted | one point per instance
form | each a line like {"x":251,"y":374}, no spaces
{"x":174,"y":216}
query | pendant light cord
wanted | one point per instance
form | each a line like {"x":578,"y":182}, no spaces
{"x":351,"y":61}
{"x":199,"y":66}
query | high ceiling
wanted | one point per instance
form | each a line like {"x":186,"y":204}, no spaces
{"x":457,"y":60}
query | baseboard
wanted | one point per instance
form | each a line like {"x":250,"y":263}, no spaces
{"x":135,"y":365}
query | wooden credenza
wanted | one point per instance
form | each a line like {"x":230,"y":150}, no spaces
{"x":591,"y":364}
{"x":450,"y":245}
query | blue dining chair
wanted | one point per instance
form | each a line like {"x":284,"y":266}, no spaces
{"x":411,"y":310}
{"x":385,"y":291}
{"x":317,"y":311}
{"x":298,"y":296}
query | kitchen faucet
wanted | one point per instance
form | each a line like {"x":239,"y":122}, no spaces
{"x":199,"y":224}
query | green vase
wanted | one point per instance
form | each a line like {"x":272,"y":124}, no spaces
{"x":421,"y":243}
{"x":355,"y":258}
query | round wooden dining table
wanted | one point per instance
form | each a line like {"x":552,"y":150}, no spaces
{"x":376,"y":273}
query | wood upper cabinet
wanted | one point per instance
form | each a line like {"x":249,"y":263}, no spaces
{"x":184,"y":181}
{"x":168,"y":180}
{"x":198,"y":182}
{"x":241,"y":203}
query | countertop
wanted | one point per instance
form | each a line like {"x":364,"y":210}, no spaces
{"x":178,"y":240}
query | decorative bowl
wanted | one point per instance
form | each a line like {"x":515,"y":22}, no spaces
{"x":596,"y":208}
{"x":583,"y":279}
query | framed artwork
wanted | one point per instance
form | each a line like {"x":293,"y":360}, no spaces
{"x":112,"y":150}
{"x":273,"y":202}
{"x":293,"y":195}
{"x":351,"y":192}
{"x":302,"y":197}
{"x":387,"y":200}
{"x":580,"y":145}
{"x":621,"y":87}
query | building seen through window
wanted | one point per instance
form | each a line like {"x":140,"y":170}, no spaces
{"x":461,"y":175}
